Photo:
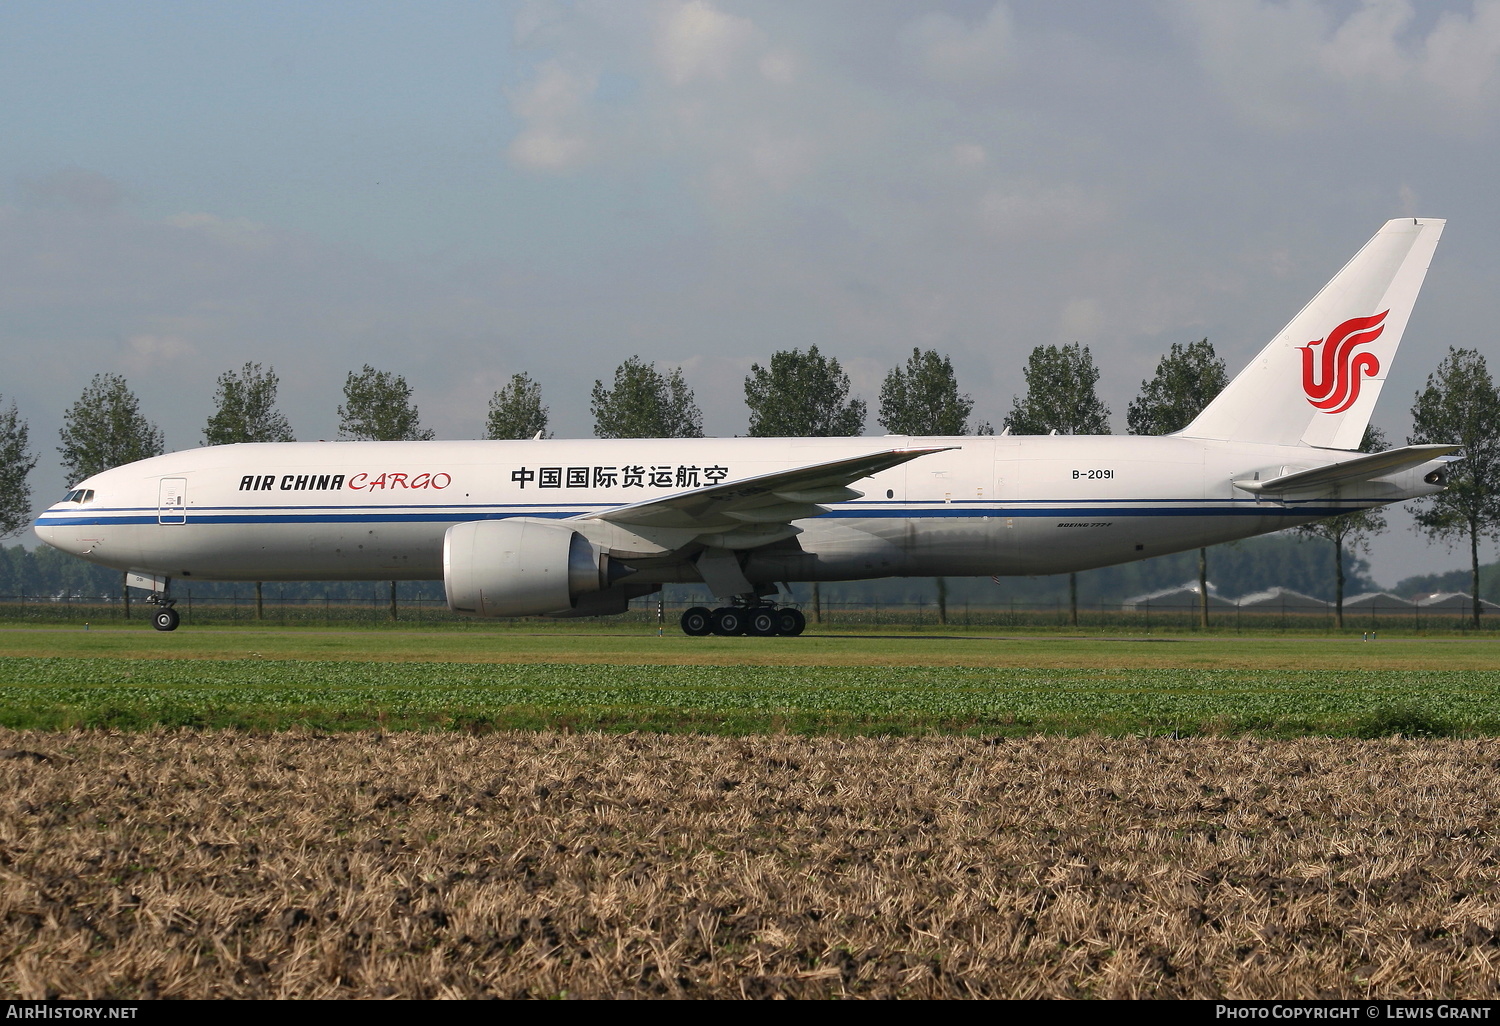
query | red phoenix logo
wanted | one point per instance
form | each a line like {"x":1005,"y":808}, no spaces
{"x":1331,"y":376}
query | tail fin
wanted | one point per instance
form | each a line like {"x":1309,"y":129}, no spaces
{"x":1317,"y":382}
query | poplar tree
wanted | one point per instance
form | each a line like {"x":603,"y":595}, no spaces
{"x":1460,"y":406}
{"x":922,"y":398}
{"x":378,"y":408}
{"x":16,"y":463}
{"x":1060,"y":394}
{"x":1186,"y":380}
{"x":801,"y":395}
{"x":105,"y":428}
{"x":245,"y":409}
{"x":644,"y":403}
{"x":1060,"y":398}
{"x":1349,"y":532}
{"x":516,"y":410}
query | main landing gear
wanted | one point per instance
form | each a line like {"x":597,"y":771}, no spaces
{"x":760,"y":621}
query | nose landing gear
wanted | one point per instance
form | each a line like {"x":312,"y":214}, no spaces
{"x":166,"y":618}
{"x":758,"y":621}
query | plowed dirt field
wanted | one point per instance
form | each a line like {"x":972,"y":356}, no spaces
{"x":226,"y":864}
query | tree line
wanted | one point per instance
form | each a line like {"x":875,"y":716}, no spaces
{"x":807,"y":394}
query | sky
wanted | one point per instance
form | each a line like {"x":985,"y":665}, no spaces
{"x":459,"y":191}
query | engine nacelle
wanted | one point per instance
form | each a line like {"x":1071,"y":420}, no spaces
{"x":519,"y":567}
{"x":609,"y":601}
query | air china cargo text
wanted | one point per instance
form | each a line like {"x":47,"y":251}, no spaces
{"x":337,"y":482}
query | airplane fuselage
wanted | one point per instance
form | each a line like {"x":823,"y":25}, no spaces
{"x":1006,"y":505}
{"x":579,"y":527}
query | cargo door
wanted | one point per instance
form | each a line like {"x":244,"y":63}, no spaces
{"x":172,"y":505}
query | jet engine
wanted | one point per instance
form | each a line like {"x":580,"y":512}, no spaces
{"x":522,"y":567}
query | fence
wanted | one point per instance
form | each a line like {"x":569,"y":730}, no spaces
{"x":1144,"y":618}
{"x":428,"y":612}
{"x":237,"y":609}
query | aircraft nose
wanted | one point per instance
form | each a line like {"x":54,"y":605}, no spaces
{"x":57,"y":528}
{"x":48,"y":531}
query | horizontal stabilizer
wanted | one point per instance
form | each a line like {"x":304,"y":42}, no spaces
{"x":1360,"y":468}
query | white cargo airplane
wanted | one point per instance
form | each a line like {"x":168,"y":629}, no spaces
{"x":578,"y":528}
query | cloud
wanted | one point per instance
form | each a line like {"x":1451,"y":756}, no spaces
{"x":946,"y":50}
{"x":1303,"y":63}
{"x":536,"y":21}
{"x":695,"y":41}
{"x":707,"y":182}
{"x":173,"y":302}
{"x":74,"y":187}
{"x":1013,"y":208}
{"x":147,"y":351}
{"x":1080,"y":320}
{"x":967,"y":155}
{"x":1462,"y":57}
{"x":554,"y":107}
{"x":779,"y":66}
{"x":238,"y":231}
{"x":715,"y":101}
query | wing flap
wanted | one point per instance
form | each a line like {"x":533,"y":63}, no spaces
{"x":780,"y":513}
{"x":1361,"y":468}
{"x":819,"y":495}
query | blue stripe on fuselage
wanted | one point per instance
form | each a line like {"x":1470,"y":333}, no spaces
{"x":407,"y":515}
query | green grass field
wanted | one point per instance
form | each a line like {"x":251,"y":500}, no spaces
{"x":894,"y":683}
{"x":636,"y":644}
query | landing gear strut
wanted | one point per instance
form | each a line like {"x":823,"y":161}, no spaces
{"x":759,"y":621}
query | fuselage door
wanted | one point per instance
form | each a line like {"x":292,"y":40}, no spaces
{"x":172,"y":507}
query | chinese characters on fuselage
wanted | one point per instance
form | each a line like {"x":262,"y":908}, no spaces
{"x":637,"y":476}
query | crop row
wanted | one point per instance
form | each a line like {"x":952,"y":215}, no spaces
{"x":128,"y":692}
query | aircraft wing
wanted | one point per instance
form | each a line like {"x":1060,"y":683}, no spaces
{"x":765,"y":502}
{"x":1360,"y":468}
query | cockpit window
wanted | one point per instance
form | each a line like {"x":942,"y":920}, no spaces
{"x":79,"y":495}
